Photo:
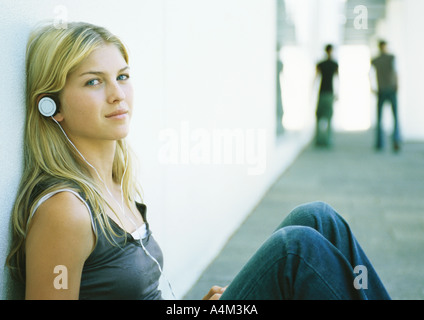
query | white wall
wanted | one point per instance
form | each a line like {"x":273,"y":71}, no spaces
{"x":218,"y":87}
{"x":11,"y":122}
{"x":219,"y":76}
{"x":412,"y":105}
{"x":201,"y":70}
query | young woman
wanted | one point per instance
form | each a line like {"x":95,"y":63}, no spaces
{"x":79,"y":209}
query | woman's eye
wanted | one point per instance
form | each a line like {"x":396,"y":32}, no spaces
{"x":123,"y":77}
{"x":93,"y":82}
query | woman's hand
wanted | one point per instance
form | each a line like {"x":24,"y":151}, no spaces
{"x":215,"y":293}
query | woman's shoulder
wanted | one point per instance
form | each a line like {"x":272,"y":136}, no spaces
{"x":68,"y":202}
{"x":56,"y":195}
{"x":63,"y":211}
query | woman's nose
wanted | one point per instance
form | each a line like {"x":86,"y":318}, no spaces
{"x":115,"y":92}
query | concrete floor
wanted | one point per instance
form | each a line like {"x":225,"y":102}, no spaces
{"x":381,"y":195}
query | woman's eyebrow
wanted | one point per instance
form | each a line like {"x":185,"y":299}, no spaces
{"x":101,"y":72}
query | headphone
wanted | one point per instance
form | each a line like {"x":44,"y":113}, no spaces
{"x":47,"y":105}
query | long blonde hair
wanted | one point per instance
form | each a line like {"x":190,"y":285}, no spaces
{"x":50,"y":162}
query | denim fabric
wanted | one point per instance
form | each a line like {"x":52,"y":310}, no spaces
{"x":383,"y":96}
{"x":311,"y":255}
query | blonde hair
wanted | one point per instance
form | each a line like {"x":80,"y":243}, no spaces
{"x":50,"y":162}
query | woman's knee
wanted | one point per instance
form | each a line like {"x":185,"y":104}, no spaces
{"x":312,"y":214}
{"x":292,"y":239}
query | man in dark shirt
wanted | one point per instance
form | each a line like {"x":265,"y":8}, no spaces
{"x":327,"y":69}
{"x":387,"y":83}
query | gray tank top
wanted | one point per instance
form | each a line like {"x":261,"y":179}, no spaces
{"x":122,"y":271}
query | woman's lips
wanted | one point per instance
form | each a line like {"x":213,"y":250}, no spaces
{"x":118,"y":114}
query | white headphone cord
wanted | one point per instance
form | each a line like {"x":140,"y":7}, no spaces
{"x":121,"y":206}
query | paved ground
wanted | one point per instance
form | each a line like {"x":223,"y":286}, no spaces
{"x":381,"y":195}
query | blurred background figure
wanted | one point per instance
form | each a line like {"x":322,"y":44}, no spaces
{"x":327,"y":69}
{"x":279,"y":104}
{"x":387,"y":82}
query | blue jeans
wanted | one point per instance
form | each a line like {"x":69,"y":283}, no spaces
{"x":324,"y":114}
{"x":311,"y":255}
{"x":383,"y":96}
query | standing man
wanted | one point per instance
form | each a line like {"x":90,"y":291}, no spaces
{"x":387,"y":82}
{"x":327,"y":68}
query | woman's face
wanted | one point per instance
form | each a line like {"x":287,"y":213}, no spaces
{"x":96,"y":102}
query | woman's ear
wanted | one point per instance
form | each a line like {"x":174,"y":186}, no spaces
{"x":59,"y":117}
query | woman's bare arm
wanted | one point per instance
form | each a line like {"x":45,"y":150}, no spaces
{"x":59,"y":241}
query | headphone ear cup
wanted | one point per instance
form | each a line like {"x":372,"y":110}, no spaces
{"x":47,"y":106}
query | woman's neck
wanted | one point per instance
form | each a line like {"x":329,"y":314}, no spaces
{"x":100,"y":156}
